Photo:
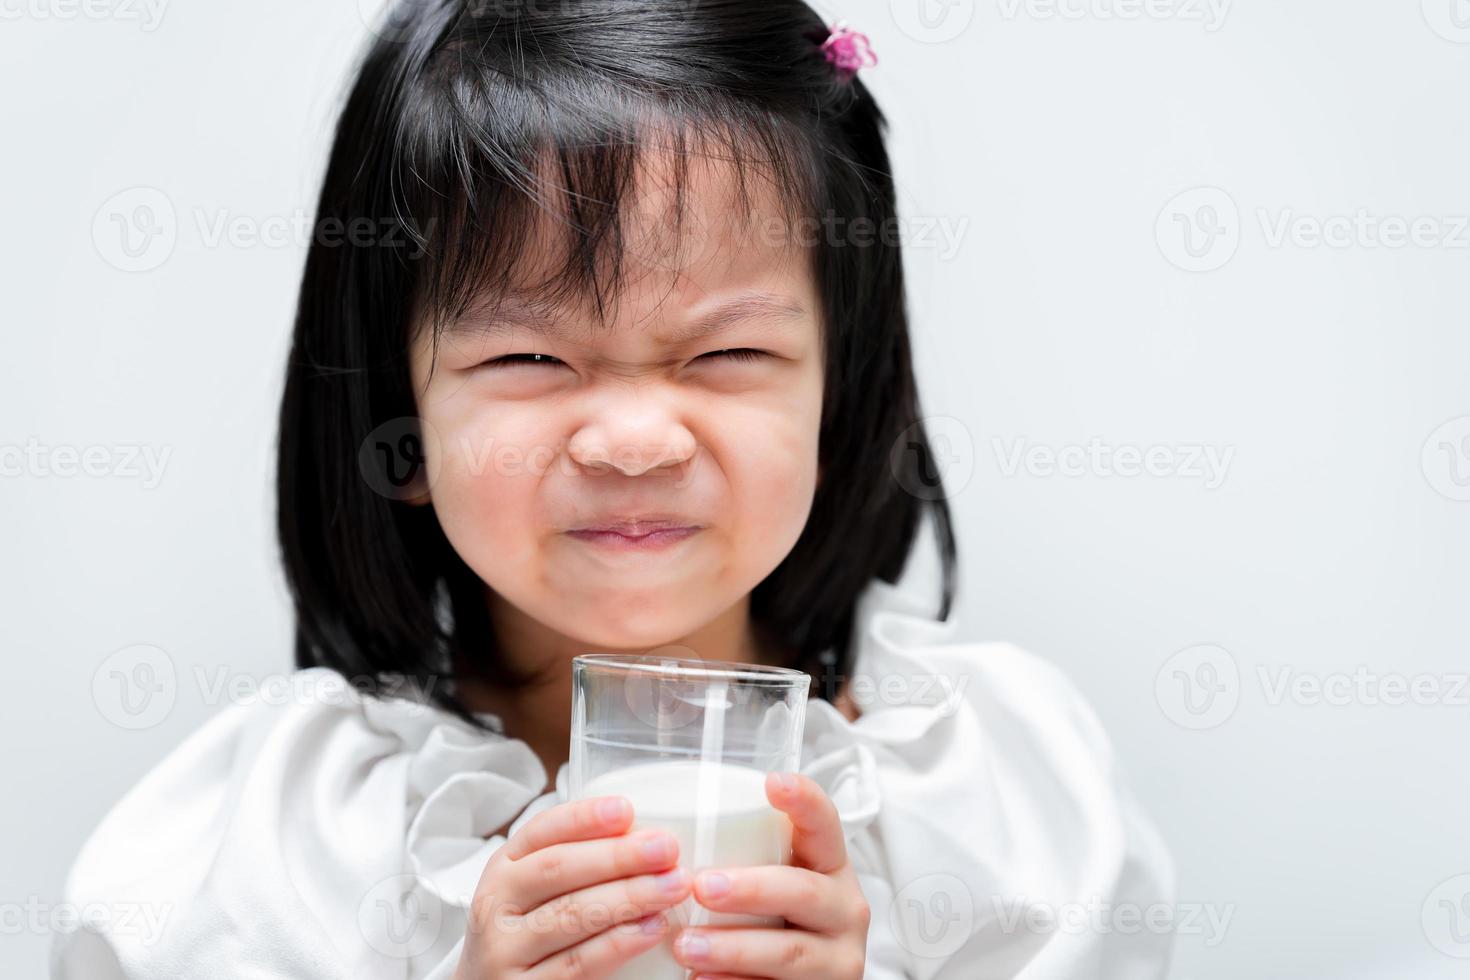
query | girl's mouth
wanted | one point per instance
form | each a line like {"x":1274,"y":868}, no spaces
{"x":653,"y":539}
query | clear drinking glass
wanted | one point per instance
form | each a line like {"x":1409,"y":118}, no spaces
{"x":689,"y":743}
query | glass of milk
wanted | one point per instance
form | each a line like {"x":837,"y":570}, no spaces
{"x":689,"y":743}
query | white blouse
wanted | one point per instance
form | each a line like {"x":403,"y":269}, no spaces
{"x":340,"y":836}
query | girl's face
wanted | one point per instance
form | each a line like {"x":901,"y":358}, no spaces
{"x":641,"y":418}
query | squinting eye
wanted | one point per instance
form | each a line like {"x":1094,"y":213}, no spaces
{"x":738,"y":354}
{"x":511,"y":359}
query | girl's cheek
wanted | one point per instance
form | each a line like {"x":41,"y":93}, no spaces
{"x":488,"y":487}
{"x":496,"y":444}
{"x":770,"y":458}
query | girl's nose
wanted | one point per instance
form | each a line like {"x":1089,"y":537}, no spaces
{"x":632,"y":435}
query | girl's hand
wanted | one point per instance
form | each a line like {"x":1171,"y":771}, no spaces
{"x":571,"y":894}
{"x":826,"y":915}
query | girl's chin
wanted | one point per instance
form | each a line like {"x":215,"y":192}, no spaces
{"x":634,"y":622}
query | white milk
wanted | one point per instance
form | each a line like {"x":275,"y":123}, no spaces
{"x":740,"y":828}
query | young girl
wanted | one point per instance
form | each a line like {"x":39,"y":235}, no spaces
{"x":602,"y":346}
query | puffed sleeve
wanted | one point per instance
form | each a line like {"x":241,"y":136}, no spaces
{"x":320,"y":834}
{"x":1068,"y":877}
{"x":992,"y":829}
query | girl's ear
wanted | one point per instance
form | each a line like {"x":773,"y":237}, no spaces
{"x":396,"y":463}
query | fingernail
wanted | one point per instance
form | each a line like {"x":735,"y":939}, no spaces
{"x":693,"y":945}
{"x":671,"y":881}
{"x":714,"y":884}
{"x":654,"y":923}
{"x":612,"y":809}
{"x":786,"y":781}
{"x":656,"y":848}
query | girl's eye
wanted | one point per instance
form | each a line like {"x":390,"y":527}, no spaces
{"x":511,"y":359}
{"x":737,"y":354}
{"x":733,"y":354}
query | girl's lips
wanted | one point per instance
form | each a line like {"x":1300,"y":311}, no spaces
{"x":653,"y":540}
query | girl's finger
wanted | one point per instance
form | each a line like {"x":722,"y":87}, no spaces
{"x":803,"y":898}
{"x":560,"y":869}
{"x":600,"y":816}
{"x":816,"y":841}
{"x":604,"y":952}
{"x":574,"y":918}
{"x":778,"y":953}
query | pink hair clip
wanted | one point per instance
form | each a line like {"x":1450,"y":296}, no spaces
{"x":848,"y":50}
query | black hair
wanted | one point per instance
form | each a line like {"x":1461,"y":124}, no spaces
{"x":462,"y":116}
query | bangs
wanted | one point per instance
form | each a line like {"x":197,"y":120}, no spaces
{"x":492,"y":169}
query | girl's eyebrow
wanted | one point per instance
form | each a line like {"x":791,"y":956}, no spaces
{"x":545,"y":320}
{"x":746,"y":306}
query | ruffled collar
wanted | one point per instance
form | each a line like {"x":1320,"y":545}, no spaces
{"x":463,"y":784}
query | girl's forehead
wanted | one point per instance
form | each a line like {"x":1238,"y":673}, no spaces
{"x":682,"y":244}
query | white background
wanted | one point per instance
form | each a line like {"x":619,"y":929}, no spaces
{"x":1058,"y":138}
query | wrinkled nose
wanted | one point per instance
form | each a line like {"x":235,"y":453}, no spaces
{"x":632,"y":435}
